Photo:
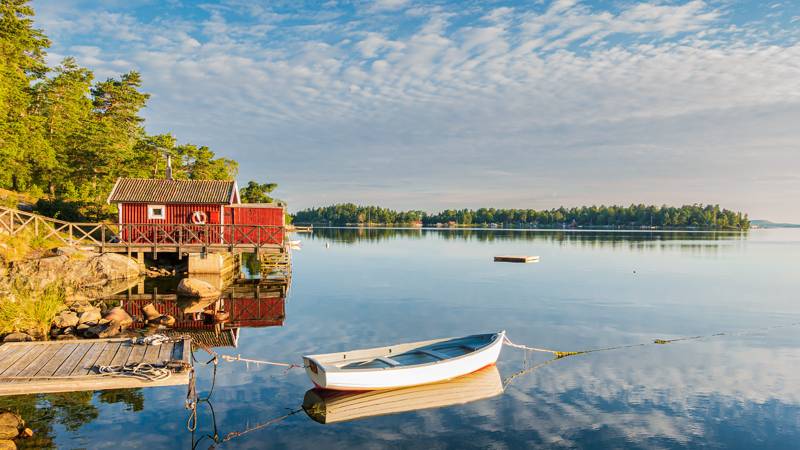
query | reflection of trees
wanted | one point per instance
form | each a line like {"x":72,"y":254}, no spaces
{"x":72,"y":410}
{"x":132,"y":398}
{"x":631,"y":239}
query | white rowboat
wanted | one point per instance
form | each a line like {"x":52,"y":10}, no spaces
{"x":404,"y":365}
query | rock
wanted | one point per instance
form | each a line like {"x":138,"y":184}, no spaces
{"x":66,"y":319}
{"x":55,"y":332}
{"x":112,"y":266}
{"x":5,"y":444}
{"x":83,"y":327}
{"x":150,"y":312}
{"x":90,"y":316}
{"x":8,"y":418}
{"x":108,"y":330}
{"x":119,"y":315}
{"x":165,"y":320}
{"x":26,"y":433}
{"x":8,"y":432}
{"x":66,"y":337}
{"x":81,"y":306}
{"x":18,"y":337}
{"x":193,"y":287}
{"x":64,"y":251}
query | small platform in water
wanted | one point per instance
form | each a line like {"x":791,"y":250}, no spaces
{"x":516,"y":259}
{"x":67,"y":366}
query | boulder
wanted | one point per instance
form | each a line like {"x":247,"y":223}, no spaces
{"x":8,"y":418}
{"x":108,"y":330}
{"x":193,"y":287}
{"x":165,"y":320}
{"x":8,"y":432}
{"x":66,"y":319}
{"x":150,"y":312}
{"x":90,"y":316}
{"x":6,"y":444}
{"x":120,"y":316}
{"x":112,"y":266}
{"x":66,"y":337}
{"x":18,"y":337}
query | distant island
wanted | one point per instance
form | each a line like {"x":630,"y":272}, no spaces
{"x":697,"y":216}
{"x":770,"y":224}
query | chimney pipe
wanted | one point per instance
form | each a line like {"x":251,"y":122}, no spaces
{"x":169,"y":167}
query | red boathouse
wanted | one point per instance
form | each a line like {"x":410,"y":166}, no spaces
{"x":166,"y":211}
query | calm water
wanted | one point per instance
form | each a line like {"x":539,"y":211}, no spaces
{"x":353,"y":289}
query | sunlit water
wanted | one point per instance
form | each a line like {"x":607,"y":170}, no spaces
{"x":355,"y":289}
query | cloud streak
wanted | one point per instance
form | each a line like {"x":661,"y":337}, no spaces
{"x":407,"y":92}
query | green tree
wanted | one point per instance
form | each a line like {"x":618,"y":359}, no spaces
{"x":22,"y":51}
{"x":257,"y":193}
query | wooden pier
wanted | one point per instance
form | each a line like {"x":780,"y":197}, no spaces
{"x":516,"y":259}
{"x":67,"y":366}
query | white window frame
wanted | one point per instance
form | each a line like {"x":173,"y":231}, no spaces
{"x":151,"y":212}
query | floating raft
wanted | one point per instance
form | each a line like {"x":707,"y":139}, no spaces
{"x":67,"y":366}
{"x":516,"y":259}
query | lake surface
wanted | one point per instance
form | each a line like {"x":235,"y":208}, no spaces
{"x":358,"y":288}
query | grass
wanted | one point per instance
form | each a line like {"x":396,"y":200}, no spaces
{"x":30,"y":310}
{"x":25,"y":243}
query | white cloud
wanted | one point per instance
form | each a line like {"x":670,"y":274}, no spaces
{"x":555,"y":93}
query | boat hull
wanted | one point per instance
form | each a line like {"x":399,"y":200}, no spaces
{"x":398,"y":377}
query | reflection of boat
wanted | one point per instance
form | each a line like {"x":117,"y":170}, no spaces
{"x":326,"y":406}
{"x":404,"y":364}
{"x":294,"y":245}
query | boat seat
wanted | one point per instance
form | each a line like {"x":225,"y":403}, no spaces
{"x":388,"y":361}
{"x":472,"y":347}
{"x":434,"y":353}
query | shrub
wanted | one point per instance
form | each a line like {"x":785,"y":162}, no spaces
{"x":32,"y":310}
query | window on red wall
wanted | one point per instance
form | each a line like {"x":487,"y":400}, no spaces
{"x":156,"y":212}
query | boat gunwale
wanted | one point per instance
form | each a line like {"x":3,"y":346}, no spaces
{"x":496,"y":339}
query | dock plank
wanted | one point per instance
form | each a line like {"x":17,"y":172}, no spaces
{"x":44,"y":356}
{"x":137,"y":354}
{"x":22,"y":363}
{"x":41,"y":367}
{"x":106,"y":356}
{"x":12,"y":356}
{"x":89,"y":359}
{"x":55,"y":362}
{"x":75,"y":357}
{"x":122,"y":354}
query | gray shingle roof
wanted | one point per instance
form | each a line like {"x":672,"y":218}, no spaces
{"x":138,"y":190}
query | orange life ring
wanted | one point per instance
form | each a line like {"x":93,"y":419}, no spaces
{"x":199,"y":218}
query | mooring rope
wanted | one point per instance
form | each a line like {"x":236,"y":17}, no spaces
{"x":260,"y":362}
{"x":561,"y":354}
{"x":235,"y":434}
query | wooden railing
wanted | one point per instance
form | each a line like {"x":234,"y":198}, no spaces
{"x":152,"y":235}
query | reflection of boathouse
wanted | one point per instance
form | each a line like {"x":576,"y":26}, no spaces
{"x":250,"y":305}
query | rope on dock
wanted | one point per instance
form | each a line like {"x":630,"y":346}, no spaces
{"x":147,"y":372}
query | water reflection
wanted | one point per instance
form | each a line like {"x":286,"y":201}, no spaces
{"x":327,"y":407}
{"x":629,"y":238}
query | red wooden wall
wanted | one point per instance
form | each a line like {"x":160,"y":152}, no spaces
{"x":176,"y":213}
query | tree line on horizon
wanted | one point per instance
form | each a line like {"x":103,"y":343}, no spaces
{"x":65,"y":137}
{"x":633,"y":216}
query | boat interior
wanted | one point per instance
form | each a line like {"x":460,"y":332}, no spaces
{"x":423,"y":354}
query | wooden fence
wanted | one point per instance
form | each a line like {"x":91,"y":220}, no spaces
{"x":155,"y":236}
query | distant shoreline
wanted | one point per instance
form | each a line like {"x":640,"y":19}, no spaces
{"x":576,"y":230}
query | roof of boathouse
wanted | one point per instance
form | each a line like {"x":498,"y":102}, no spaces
{"x":150,"y":190}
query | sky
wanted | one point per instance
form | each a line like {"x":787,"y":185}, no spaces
{"x":478,"y":103}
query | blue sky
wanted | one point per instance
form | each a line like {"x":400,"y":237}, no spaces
{"x":444,"y":104}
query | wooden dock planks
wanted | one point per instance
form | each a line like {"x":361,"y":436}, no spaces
{"x":66,"y":366}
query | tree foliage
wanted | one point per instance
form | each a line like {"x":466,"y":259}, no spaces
{"x":257,"y":193}
{"x":64,"y":135}
{"x":633,"y":216}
